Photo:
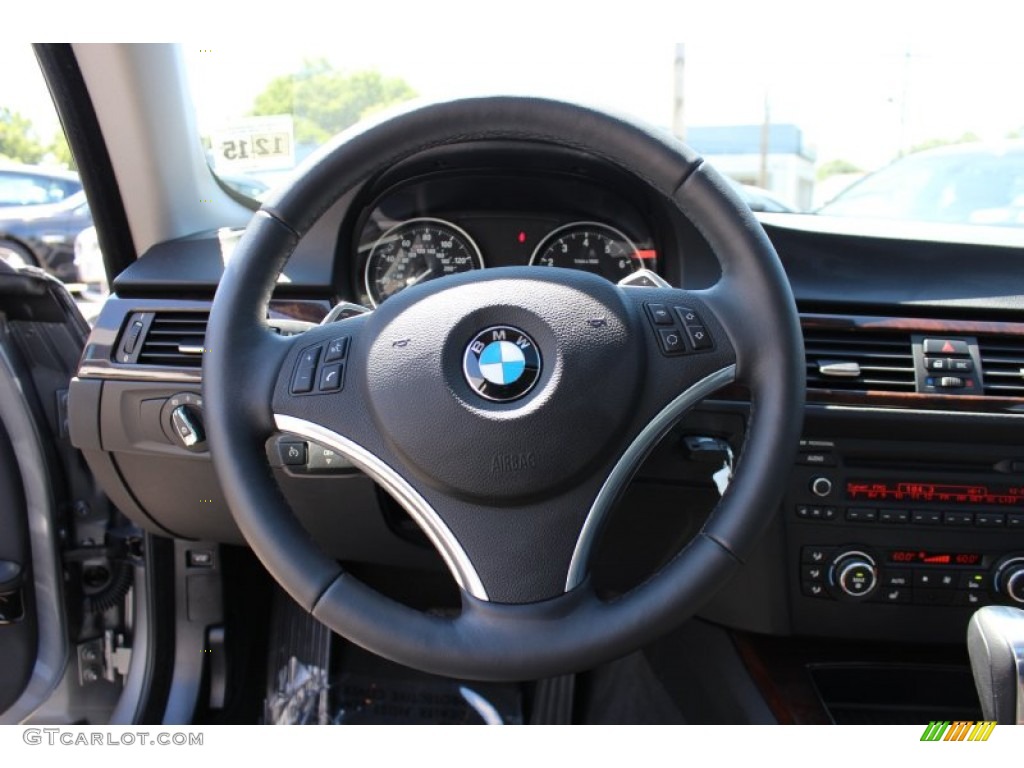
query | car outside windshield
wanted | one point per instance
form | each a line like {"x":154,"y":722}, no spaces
{"x":970,"y":183}
{"x":797,"y":112}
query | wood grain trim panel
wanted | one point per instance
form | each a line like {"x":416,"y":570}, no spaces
{"x":911,"y":325}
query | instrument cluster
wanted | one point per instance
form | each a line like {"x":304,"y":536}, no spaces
{"x":426,"y":229}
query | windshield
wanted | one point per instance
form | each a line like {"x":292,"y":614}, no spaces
{"x":794,"y":116}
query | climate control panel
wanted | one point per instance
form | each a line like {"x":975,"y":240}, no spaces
{"x":911,"y":575}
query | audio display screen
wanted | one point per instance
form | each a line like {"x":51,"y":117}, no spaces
{"x":928,"y":557}
{"x":936,"y":493}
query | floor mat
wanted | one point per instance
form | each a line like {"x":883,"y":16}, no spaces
{"x":316,"y":677}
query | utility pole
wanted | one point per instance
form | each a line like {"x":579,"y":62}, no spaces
{"x":678,"y":123}
{"x":766,"y":127}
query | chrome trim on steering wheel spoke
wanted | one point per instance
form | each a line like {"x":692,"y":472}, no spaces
{"x":418,"y":508}
{"x":630,"y":461}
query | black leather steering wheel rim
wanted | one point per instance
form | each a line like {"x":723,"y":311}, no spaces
{"x":490,"y":640}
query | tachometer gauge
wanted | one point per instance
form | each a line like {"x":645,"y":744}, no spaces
{"x":594,"y":247}
{"x":415,"y":251}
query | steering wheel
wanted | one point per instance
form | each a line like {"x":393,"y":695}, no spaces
{"x":505,"y":409}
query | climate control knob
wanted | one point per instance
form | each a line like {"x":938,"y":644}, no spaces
{"x":1009,"y":579}
{"x":855,"y":574}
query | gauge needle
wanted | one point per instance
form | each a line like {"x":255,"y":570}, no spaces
{"x":418,"y":278}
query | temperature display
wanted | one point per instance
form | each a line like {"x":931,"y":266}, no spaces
{"x":927,"y":557}
{"x":936,"y":493}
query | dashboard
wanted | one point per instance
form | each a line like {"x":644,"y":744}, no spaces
{"x":905,"y":508}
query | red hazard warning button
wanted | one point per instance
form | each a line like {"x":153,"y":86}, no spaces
{"x":945,"y":347}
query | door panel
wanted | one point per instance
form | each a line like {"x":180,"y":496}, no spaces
{"x":18,"y":630}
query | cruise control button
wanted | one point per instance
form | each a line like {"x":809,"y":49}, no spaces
{"x":671,"y":341}
{"x":323,"y":459}
{"x":945,"y":347}
{"x":330,"y":377}
{"x":659,"y":314}
{"x":699,"y":336}
{"x":336,"y":350}
{"x":292,"y":454}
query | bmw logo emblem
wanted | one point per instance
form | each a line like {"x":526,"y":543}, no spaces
{"x":501,"y":363}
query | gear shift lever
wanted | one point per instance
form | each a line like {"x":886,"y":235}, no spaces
{"x":995,"y":641}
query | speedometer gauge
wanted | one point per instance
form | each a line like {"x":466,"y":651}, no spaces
{"x":415,"y":251}
{"x":593,"y":247}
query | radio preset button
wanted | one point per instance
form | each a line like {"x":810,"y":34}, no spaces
{"x":958,"y":518}
{"x":989,"y":519}
{"x":894,"y":515}
{"x":861,"y":514}
{"x":926,"y":517}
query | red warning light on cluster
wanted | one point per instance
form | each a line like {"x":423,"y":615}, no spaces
{"x":647,"y":254}
{"x":521,"y":237}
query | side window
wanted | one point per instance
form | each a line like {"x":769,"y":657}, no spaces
{"x":22,"y":189}
{"x":44,"y":207}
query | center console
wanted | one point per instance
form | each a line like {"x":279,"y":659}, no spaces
{"x":888,"y":540}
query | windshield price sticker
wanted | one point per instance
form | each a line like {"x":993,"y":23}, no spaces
{"x":255,"y":143}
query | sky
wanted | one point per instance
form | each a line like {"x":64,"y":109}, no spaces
{"x":862,"y":80}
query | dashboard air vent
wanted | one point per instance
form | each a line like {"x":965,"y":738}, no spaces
{"x":174,"y":338}
{"x":859,"y":360}
{"x":1002,"y":365}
